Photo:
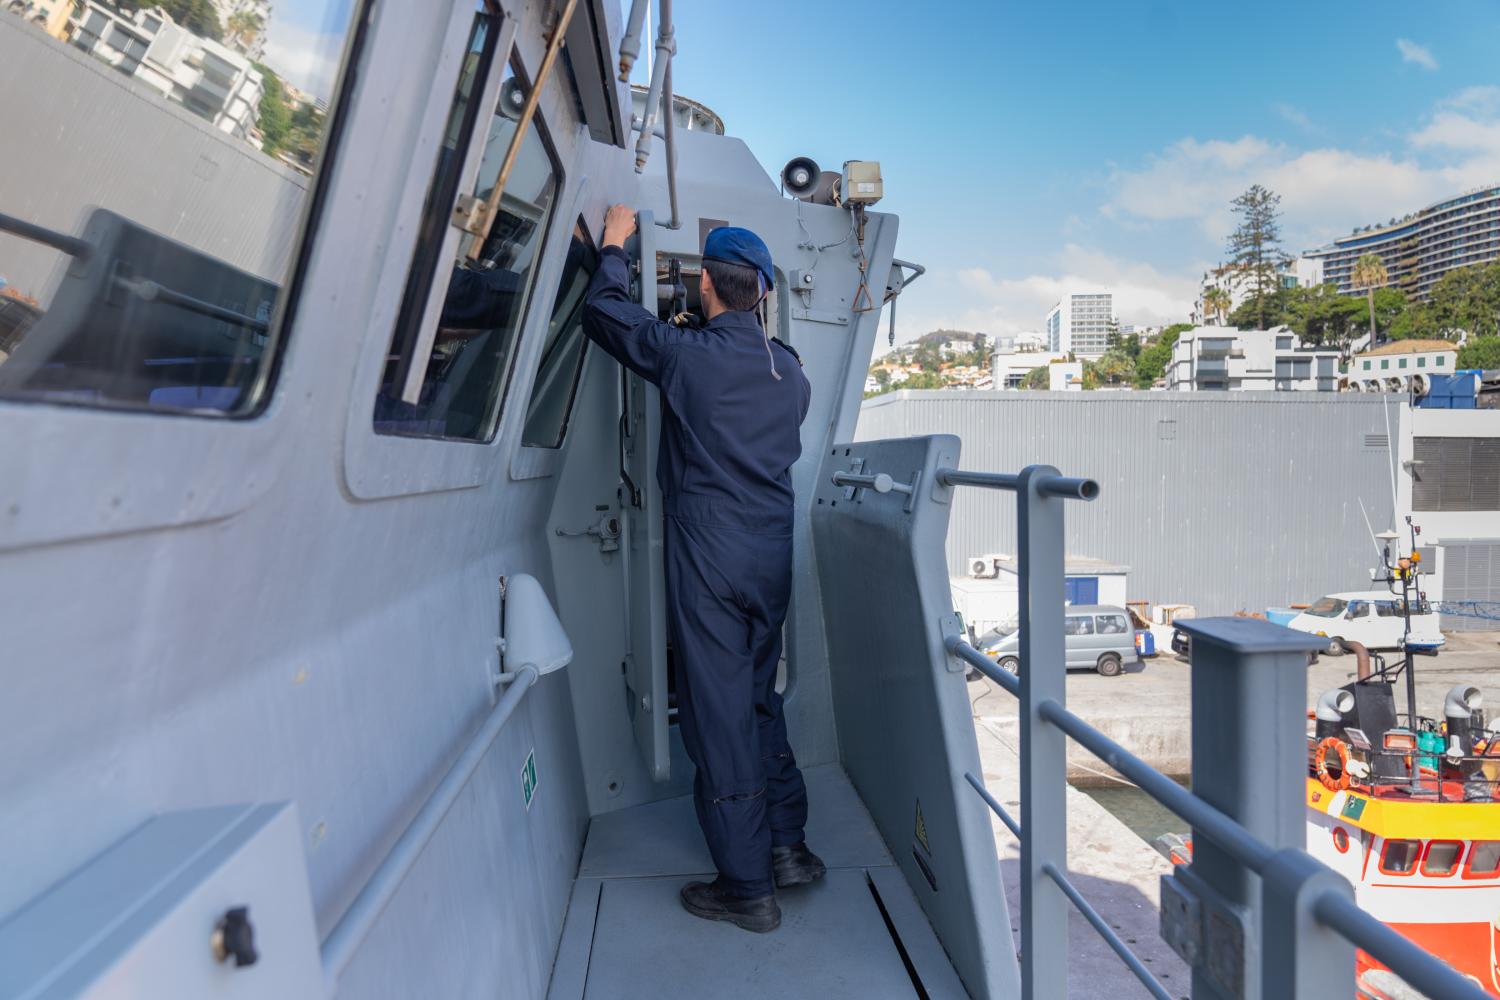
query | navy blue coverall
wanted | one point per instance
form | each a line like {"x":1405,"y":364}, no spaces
{"x":730,"y":433}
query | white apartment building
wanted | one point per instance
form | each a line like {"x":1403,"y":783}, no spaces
{"x":1402,"y":366}
{"x":209,"y":79}
{"x":1079,"y":324}
{"x":1010,"y":365}
{"x":1209,"y":358}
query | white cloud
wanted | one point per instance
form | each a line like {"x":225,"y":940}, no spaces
{"x":307,"y":58}
{"x":1413,"y":53}
{"x":999,"y":304}
{"x":1324,"y":191}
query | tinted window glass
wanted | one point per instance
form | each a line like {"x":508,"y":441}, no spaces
{"x":1078,"y":625}
{"x":142,"y":254}
{"x":1442,"y":858}
{"x":1400,"y":856}
{"x":465,"y":301}
{"x":562,"y":357}
{"x":1358,"y":609}
{"x":1113,"y":625}
{"x":1327,"y":607}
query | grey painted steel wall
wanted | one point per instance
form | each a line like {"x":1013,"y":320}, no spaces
{"x":71,"y":124}
{"x":1225,"y":501}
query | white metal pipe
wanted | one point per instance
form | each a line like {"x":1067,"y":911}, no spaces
{"x":630,"y":45}
{"x":671,"y":119}
{"x":665,"y":46}
{"x":341,"y":945}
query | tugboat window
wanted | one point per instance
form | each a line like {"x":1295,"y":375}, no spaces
{"x":1400,"y":856}
{"x":562,"y":357}
{"x":144,"y":256}
{"x":1484,"y":860}
{"x":1442,"y":858}
{"x":460,"y":319}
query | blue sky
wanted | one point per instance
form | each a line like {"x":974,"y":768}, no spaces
{"x":1038,"y":146}
{"x":1031,"y":146}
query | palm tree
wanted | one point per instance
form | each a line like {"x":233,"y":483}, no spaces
{"x":1369,"y":273}
{"x":1216,"y":302}
{"x":243,"y":26}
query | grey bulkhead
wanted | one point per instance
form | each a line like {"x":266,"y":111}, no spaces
{"x":292,"y":607}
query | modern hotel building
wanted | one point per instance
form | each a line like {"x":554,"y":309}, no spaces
{"x":1421,"y":248}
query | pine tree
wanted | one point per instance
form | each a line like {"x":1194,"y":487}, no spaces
{"x":1255,"y":248}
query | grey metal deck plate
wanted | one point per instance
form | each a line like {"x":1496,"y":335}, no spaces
{"x":832,"y":942}
{"x":626,"y":935}
{"x":662,"y":838}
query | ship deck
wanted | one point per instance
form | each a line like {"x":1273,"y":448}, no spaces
{"x":857,"y":932}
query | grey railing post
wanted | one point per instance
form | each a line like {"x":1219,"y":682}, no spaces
{"x":1249,"y":703}
{"x":1300,"y":955}
{"x":1044,"y":818}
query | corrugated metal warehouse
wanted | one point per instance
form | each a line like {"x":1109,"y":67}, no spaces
{"x":1226,"y":501}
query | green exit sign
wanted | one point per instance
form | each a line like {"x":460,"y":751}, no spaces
{"x":528,"y":778}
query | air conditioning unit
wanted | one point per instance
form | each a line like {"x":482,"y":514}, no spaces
{"x":985,"y":567}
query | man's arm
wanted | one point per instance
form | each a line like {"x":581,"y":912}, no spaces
{"x":630,"y":334}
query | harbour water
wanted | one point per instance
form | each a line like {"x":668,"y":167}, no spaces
{"x":1147,"y":818}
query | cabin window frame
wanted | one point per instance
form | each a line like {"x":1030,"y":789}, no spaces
{"x":260,"y":390}
{"x":433,"y":287}
{"x":180,"y":461}
{"x":1468,"y":872}
{"x":1416,"y":861}
{"x":575,"y":380}
{"x":376,"y":465}
{"x":1458,"y":859}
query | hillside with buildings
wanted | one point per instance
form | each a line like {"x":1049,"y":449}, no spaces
{"x":1394,"y":307}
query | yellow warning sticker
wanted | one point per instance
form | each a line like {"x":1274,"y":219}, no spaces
{"x":922,"y":829}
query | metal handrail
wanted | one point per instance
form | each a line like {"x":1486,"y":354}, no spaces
{"x":1425,"y":972}
{"x":343,"y":942}
{"x":1325,"y":892}
{"x":999,"y":810}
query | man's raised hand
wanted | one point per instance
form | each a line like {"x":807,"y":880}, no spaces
{"x":619,"y":223}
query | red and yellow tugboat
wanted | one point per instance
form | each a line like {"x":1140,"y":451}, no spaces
{"x":1407,"y":807}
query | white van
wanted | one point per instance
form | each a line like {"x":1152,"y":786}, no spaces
{"x":1372,"y":617}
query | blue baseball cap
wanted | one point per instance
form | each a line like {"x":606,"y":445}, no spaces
{"x":734,"y":245}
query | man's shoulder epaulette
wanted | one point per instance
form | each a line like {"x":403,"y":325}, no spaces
{"x":788,"y":348}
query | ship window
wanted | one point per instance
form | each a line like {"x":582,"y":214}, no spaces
{"x":1078,"y":625}
{"x":1327,"y":607}
{"x":461,"y":316}
{"x":1484,"y":859}
{"x":144,"y":258}
{"x":562,"y":356}
{"x":1442,"y":858}
{"x":1400,"y":856}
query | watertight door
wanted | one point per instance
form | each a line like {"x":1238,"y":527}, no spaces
{"x":640,"y":499}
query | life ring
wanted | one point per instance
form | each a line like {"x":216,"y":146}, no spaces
{"x":1320,"y":762}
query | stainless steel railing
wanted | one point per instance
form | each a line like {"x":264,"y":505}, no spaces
{"x":1254,"y":915}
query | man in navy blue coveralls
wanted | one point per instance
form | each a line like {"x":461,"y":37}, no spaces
{"x":733,"y":401}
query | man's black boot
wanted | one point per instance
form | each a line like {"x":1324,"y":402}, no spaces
{"x":711,"y":901}
{"x":796,"y":865}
